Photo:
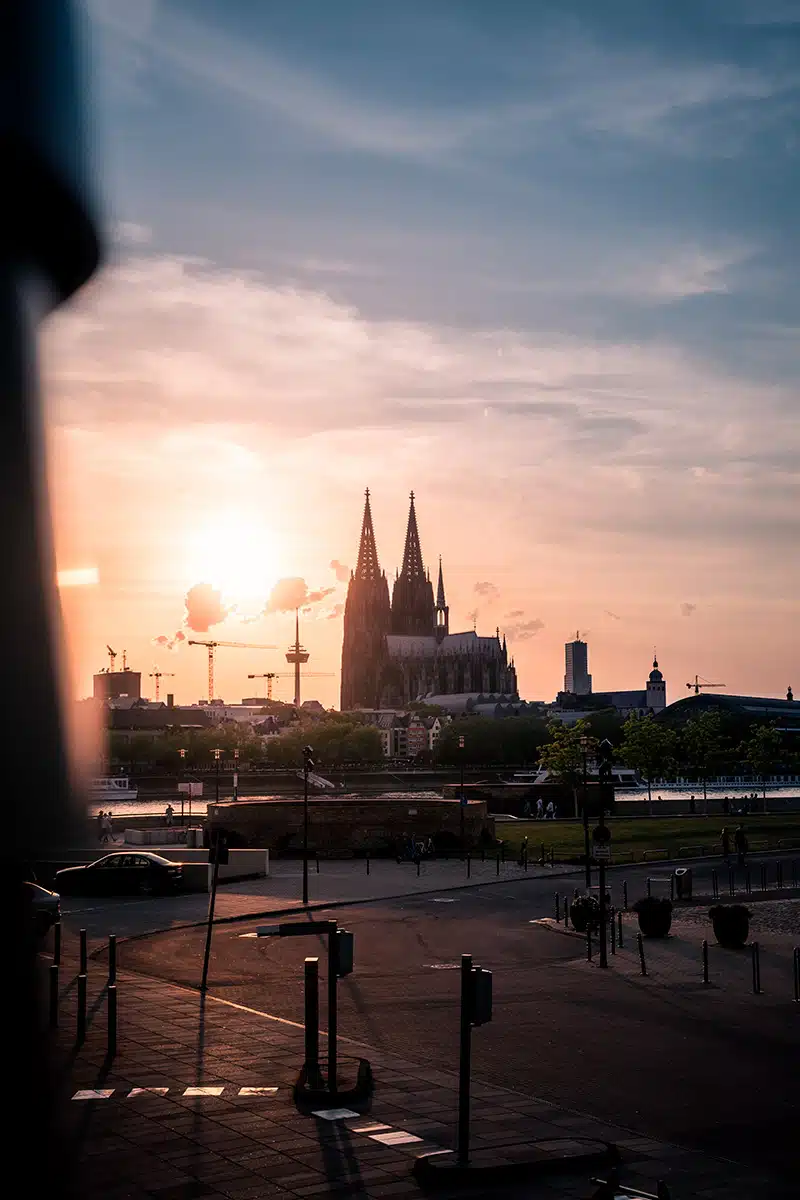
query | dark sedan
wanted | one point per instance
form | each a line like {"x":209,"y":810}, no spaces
{"x":122,"y":874}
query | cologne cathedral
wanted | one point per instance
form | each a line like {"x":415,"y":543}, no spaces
{"x":400,"y":650}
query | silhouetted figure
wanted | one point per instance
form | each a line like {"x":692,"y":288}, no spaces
{"x":725,"y":838}
{"x":740,"y":842}
{"x":691,"y":805}
{"x":99,"y":823}
{"x":726,"y":805}
{"x":169,"y":813}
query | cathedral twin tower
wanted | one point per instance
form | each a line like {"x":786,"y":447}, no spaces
{"x":400,"y":651}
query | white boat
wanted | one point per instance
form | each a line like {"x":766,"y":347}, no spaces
{"x":621,"y":777}
{"x":113,"y":788}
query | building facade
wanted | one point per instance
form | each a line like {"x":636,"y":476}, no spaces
{"x":577,"y":679}
{"x":401,"y":650}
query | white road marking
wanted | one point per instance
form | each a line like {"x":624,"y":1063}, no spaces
{"x":148,"y":1091}
{"x":257,"y":1091}
{"x":249,"y":935}
{"x":94,"y":1094}
{"x":370,"y":1127}
{"x":335,"y":1114}
{"x":441,"y":966}
{"x":204,"y":1091}
{"x":443,"y":900}
{"x":397,"y":1137}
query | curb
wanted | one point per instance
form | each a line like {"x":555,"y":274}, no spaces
{"x":508,"y":1164}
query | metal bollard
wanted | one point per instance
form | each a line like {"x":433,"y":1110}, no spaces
{"x":558,"y":909}
{"x":613,"y":934}
{"x":796,"y":966}
{"x":112,"y":959}
{"x":715,"y":884}
{"x":311,"y":1000}
{"x":748,"y":883}
{"x":588,"y":943}
{"x":483,"y":854}
{"x":317,"y":858}
{"x":731,"y":881}
{"x":81,"y":1025}
{"x":419,"y":866}
{"x":541,"y":855}
{"x":82,"y":936}
{"x":53,"y":973}
{"x":566,"y":912}
{"x":112,"y":1019}
{"x":552,"y":859}
{"x":469,"y":866}
{"x":57,"y":944}
{"x":648,"y":887}
{"x":640,"y":943}
{"x":756,"y":969}
{"x":779,"y":873}
{"x":525,"y":860}
{"x":763,"y":877}
{"x":794,"y":872}
{"x":705,"y":961}
{"x":624,"y":896}
{"x":497,"y":872}
{"x":368,"y":864}
{"x":619,"y":929}
{"x":503,"y":851}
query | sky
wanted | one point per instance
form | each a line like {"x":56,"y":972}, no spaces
{"x":535,"y":261}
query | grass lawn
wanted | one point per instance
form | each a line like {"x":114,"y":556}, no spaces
{"x":632,"y":839}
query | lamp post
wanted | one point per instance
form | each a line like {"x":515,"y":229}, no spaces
{"x":217,"y":754}
{"x":587,"y":855}
{"x":183,"y":794}
{"x":463,"y":801}
{"x":308,"y":763}
{"x":236,"y":774}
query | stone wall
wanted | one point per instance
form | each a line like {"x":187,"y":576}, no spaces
{"x":342,"y":825}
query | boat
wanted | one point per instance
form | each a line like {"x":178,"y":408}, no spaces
{"x":623,"y":778}
{"x":113,"y":788}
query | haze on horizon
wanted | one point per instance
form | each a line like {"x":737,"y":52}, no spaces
{"x":534,"y":261}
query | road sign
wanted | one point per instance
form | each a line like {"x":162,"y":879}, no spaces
{"x":602,"y":851}
{"x":601,"y":835}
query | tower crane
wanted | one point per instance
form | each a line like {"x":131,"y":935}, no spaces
{"x":212,"y":645}
{"x":158,"y":676}
{"x":112,"y":657}
{"x":270,"y":675}
{"x":699,"y":683}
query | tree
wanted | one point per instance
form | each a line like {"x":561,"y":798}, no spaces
{"x":761,"y":751}
{"x":703,"y":744}
{"x":648,"y":747}
{"x":565,"y":755}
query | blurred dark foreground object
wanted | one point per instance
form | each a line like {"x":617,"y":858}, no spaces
{"x":48,"y":248}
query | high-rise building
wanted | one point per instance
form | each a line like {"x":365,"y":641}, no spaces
{"x":398,"y":652}
{"x":577,"y":679}
{"x":117,"y":685}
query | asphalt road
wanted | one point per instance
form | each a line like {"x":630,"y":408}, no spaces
{"x":698,"y":1067}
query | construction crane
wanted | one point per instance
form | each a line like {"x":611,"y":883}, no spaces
{"x":211,"y":646}
{"x":699,"y":683}
{"x":270,"y":675}
{"x":158,"y":676}
{"x":112,"y":657}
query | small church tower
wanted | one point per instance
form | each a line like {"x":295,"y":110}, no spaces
{"x":442,"y":608}
{"x":656,"y":689}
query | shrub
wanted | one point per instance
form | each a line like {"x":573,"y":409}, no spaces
{"x":584,"y":912}
{"x":655,"y":915}
{"x":731,"y":924}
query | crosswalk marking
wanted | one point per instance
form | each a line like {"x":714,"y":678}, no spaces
{"x":204,"y":1091}
{"x":257,"y":1091}
{"x":94,"y":1094}
{"x":396,"y":1137}
{"x":148,"y":1091}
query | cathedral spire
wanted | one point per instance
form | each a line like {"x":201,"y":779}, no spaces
{"x":440,"y":601}
{"x":412,"y":555}
{"x":368,"y":566}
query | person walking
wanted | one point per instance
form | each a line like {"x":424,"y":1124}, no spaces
{"x":549,"y":812}
{"x":169,"y":813}
{"x":725,"y":838}
{"x":740,"y":842}
{"x":108,"y":829}
{"x":539,"y":809}
{"x":99,"y":823}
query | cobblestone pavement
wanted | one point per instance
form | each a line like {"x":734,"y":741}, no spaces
{"x":197,"y":1102}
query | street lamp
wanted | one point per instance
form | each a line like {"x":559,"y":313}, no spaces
{"x":308,"y":763}
{"x":463,"y":797}
{"x":217,"y":754}
{"x":587,"y":856}
{"x":183,"y":794}
{"x":236,"y":774}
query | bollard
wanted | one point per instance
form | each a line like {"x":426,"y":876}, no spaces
{"x":613,"y":933}
{"x":82,"y":952}
{"x":748,"y":883}
{"x":648,"y":887}
{"x":731,"y":881}
{"x":525,"y":861}
{"x":763,"y":877}
{"x":316,"y":855}
{"x":715,"y":884}
{"x":779,"y":873}
{"x":497,"y":872}
{"x":112,"y":1019}
{"x":566,"y":912}
{"x":311,"y":1021}
{"x":469,"y":865}
{"x":552,"y":859}
{"x":503,"y":852}
{"x":483,"y":854}
{"x":57,"y":944}
{"x":588,"y":943}
{"x":624,"y":897}
{"x":794,"y":872}
{"x":419,"y":865}
{"x":619,"y":929}
{"x":640,"y":943}
{"x":53,"y":973}
{"x":541,"y":855}
{"x":112,"y":959}
{"x":705,"y":962}
{"x":81,"y":1031}
{"x":558,"y":909}
{"x":756,"y":969}
{"x":368,"y":864}
{"x":796,"y":966}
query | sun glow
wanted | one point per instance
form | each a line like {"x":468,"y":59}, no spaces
{"x":238,"y":556}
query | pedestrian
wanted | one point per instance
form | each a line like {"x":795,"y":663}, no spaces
{"x":549,"y":812}
{"x":740,"y":842}
{"x":526,"y":808}
{"x":108,"y":828}
{"x":523,"y":852}
{"x":539,"y":809}
{"x":99,"y":822}
{"x":169,"y":813}
{"x":726,"y":805}
{"x":725,"y":838}
{"x":691,"y":805}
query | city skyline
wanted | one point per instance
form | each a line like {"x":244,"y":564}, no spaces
{"x":534,"y":263}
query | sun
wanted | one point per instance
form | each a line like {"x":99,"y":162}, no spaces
{"x":236,"y":554}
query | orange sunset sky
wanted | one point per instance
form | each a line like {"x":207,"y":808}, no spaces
{"x":503,"y":276}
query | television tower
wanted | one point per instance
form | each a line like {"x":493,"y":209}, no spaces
{"x":297,"y":654}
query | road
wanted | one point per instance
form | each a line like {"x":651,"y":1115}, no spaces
{"x":699,"y":1067}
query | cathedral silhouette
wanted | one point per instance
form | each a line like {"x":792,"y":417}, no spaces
{"x":400,"y":651}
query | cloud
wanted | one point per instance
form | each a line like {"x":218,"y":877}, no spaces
{"x":514,"y":614}
{"x":340,"y":569}
{"x":472,"y":616}
{"x":170,"y":643}
{"x":204,"y":607}
{"x":291,"y":593}
{"x":130,"y":233}
{"x":333,"y":613}
{"x":521,"y":631}
{"x":489,"y":591}
{"x":687,"y":609}
{"x":614,"y":616}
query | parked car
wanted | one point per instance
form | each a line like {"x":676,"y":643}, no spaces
{"x":45,"y":907}
{"x":122,"y":874}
